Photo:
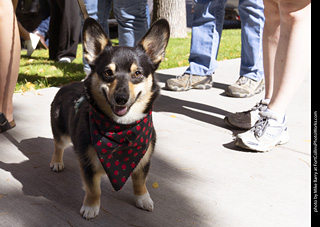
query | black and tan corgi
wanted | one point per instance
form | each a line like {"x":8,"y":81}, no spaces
{"x":108,"y":117}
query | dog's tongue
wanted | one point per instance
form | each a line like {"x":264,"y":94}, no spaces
{"x":120,"y":110}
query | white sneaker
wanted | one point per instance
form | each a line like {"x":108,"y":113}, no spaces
{"x":247,"y":119}
{"x":65,"y":60}
{"x":32,"y":43}
{"x":265,"y":134}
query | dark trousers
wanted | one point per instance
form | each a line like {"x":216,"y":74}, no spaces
{"x":64,"y":29}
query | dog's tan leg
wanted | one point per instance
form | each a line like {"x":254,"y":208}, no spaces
{"x":141,"y":194}
{"x":56,"y":163}
{"x":91,"y":172}
{"x":91,"y":203}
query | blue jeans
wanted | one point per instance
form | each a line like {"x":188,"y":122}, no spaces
{"x":104,"y":8}
{"x":92,"y":8}
{"x":132,"y":19}
{"x":252,"y":22}
{"x":206,"y":34}
{"x":43,"y":27}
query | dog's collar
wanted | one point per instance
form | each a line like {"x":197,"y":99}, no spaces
{"x":78,"y":103}
{"x":119,"y":147}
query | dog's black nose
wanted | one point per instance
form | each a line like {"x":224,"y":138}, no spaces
{"x":121,"y":99}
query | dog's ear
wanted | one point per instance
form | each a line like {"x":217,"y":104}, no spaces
{"x":94,"y":40}
{"x":155,"y":41}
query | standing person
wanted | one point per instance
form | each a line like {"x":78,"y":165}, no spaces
{"x":206,"y":33}
{"x":287,"y":58}
{"x":9,"y":62}
{"x":64,"y":30}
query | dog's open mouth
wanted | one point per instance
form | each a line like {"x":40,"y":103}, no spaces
{"x":120,"y":110}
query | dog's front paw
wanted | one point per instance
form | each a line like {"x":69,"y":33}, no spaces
{"x":88,"y":212}
{"x":144,"y":202}
{"x":56,"y":166}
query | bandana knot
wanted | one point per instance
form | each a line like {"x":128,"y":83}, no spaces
{"x":119,"y":147}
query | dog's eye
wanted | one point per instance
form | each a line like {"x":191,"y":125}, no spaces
{"x":108,"y":72}
{"x":137,"y":74}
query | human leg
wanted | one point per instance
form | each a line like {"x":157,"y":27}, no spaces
{"x":251,"y":69}
{"x":54,"y":29}
{"x":92,"y":9}
{"x":288,"y":63}
{"x":271,"y":35}
{"x":206,"y":33}
{"x":247,"y":119}
{"x":9,"y":57}
{"x":293,"y":56}
{"x":104,"y":8}
{"x":132,"y":21}
{"x":252,"y":22}
{"x":64,"y":30}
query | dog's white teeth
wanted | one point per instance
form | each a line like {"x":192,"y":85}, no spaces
{"x":120,"y":110}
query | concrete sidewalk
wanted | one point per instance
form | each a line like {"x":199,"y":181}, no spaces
{"x":204,"y":179}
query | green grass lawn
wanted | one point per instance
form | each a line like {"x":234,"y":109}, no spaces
{"x":38,"y":71}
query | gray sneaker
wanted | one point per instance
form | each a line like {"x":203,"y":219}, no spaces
{"x":245,"y":87}
{"x":189,"y":81}
{"x":247,"y":119}
{"x":266,"y":134}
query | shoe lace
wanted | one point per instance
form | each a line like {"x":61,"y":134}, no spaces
{"x":259,"y":106}
{"x":260,"y":126}
{"x":242,"y":80}
{"x":181,"y":78}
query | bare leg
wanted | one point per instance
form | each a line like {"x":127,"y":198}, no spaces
{"x":287,"y":55}
{"x":292,"y":58}
{"x":270,"y":43}
{"x":23,"y":32}
{"x":9,"y":57}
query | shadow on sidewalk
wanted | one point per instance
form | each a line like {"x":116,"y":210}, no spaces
{"x":197,"y":111}
{"x":173,"y":206}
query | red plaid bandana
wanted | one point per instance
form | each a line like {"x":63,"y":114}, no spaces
{"x":119,"y":147}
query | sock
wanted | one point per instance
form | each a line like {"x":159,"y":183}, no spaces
{"x":275,"y":115}
{"x":265,"y":101}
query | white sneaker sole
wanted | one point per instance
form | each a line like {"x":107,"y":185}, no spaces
{"x":261,"y":147}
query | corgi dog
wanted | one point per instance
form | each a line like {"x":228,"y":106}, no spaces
{"x":108,"y":116}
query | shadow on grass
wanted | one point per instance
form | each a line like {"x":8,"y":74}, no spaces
{"x":55,"y":73}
